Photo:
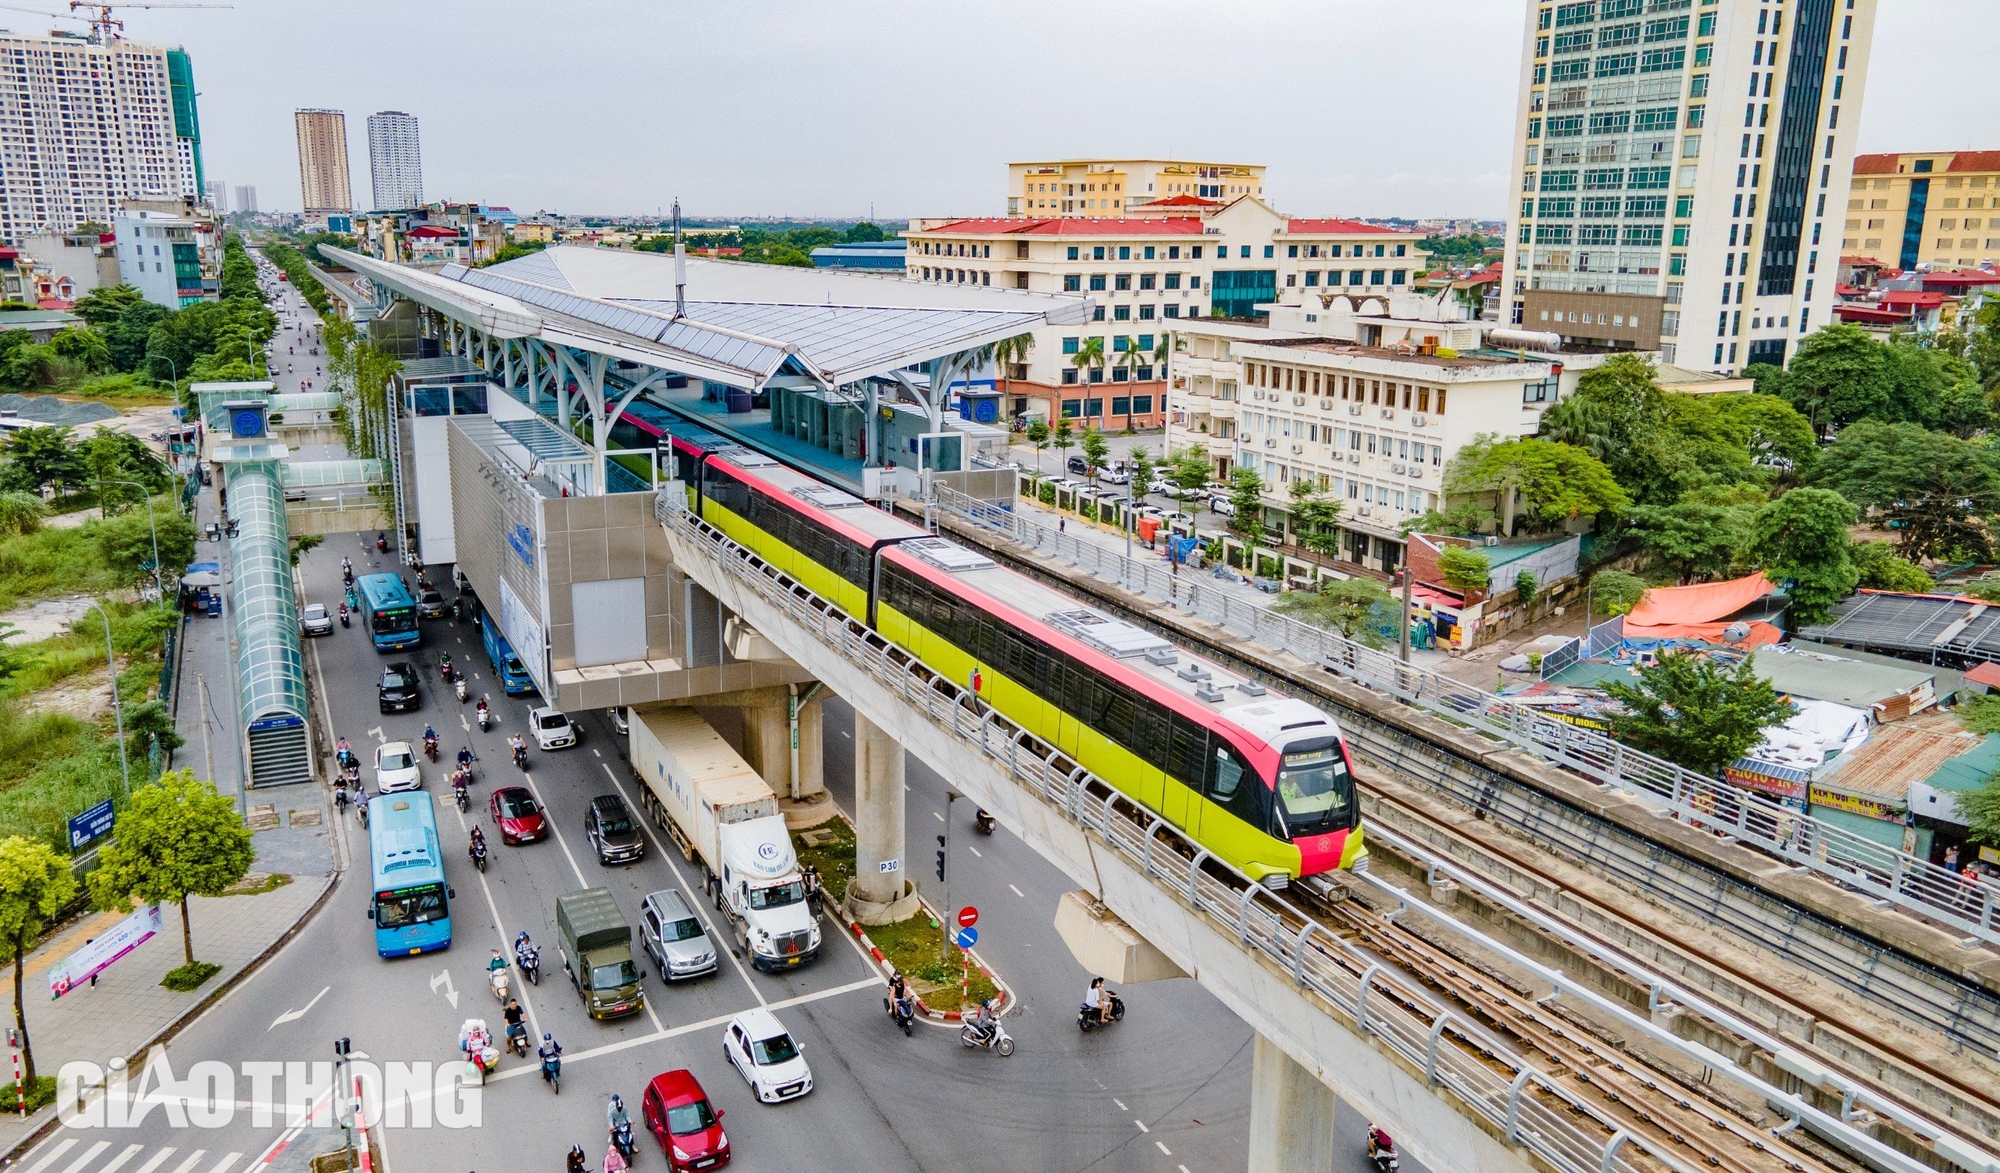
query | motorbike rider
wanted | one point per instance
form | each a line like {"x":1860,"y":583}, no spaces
{"x":482,"y":713}
{"x":615,"y":1115}
{"x":465,"y":758}
{"x":496,"y":961}
{"x":574,"y":1162}
{"x":519,"y":747}
{"x":476,"y":850}
{"x":430,"y":737}
{"x":1379,"y":1143}
{"x":1098,"y":999}
{"x":513,"y":1017}
{"x":986,"y":1020}
{"x":343,"y":752}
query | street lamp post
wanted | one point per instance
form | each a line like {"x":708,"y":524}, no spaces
{"x":251,"y":345}
{"x":158,"y":586}
{"x":117,"y":706}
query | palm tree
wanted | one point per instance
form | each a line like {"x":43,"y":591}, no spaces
{"x":1089,"y":355}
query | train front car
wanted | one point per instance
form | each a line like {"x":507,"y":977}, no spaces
{"x":1305,"y":767}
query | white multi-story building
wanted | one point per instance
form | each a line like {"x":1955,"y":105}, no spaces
{"x":172,"y":260}
{"x":1146,"y":274}
{"x":1650,"y":213}
{"x":246,"y":197}
{"x":218,"y":196}
{"x":85,"y":125}
{"x":395,"y":161}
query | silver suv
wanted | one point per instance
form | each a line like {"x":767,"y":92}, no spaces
{"x":672,"y":936}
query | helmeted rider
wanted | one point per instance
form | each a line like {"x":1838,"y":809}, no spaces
{"x":465,"y":757}
{"x":615,"y":1115}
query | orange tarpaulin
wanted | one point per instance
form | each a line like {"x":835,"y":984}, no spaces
{"x":1703,"y":603}
{"x":1708,"y":633}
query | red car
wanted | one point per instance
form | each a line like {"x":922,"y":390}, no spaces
{"x":518,"y":815}
{"x":690,"y":1132}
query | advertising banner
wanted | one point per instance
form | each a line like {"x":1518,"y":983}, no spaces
{"x":97,"y":955}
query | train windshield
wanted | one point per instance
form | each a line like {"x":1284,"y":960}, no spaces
{"x":1314,"y":792}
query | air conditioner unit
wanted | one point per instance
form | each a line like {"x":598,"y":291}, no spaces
{"x":1388,"y":413}
{"x":1366,"y":511}
{"x":1271,"y":443}
{"x":1354,"y":409}
{"x":1492,"y":541}
{"x":1298,"y":401}
{"x":1354,"y":458}
{"x":1416,"y":472}
{"x":1418,"y":421}
{"x":1326,"y":405}
{"x":1298,"y":448}
{"x":1397,"y":469}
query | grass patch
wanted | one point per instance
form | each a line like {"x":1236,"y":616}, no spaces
{"x":125,"y":390}
{"x":912,"y":947}
{"x":188,"y":977}
{"x":833,"y":855}
{"x":256,"y":885}
{"x":41,"y":1094}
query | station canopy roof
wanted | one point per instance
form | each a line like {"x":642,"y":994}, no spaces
{"x":743,"y":321}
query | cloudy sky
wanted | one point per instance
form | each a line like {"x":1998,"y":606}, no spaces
{"x":804,"y":107}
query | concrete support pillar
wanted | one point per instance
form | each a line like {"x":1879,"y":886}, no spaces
{"x":1291,"y":1114}
{"x":812,"y":748}
{"x":876,"y":896}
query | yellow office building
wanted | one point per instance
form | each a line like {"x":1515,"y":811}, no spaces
{"x":1940,"y":209}
{"x":1122,"y":187}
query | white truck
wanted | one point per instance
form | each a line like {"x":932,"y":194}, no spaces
{"x":724,"y":816}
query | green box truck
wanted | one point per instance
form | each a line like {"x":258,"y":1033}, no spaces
{"x":596,"y":946}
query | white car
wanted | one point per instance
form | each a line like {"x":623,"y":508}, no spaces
{"x":765,"y":1054}
{"x":396,"y":768}
{"x":1223,"y":505}
{"x":552,"y":728}
{"x":316,"y":620}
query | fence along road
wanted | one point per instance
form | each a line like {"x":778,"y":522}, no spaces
{"x":1904,"y":880}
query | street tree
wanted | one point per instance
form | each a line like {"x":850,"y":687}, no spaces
{"x":1839,"y":375}
{"x":1189,"y":470}
{"x":1465,"y":569}
{"x":1881,"y":569}
{"x":1979,"y":810}
{"x":174,"y":840}
{"x":1689,"y":709}
{"x":43,"y":457}
{"x":1246,"y":502}
{"x":1801,"y":540}
{"x":1692,"y":540}
{"x":1139,"y":459}
{"x":1933,"y":489}
{"x":1351,"y":606}
{"x":1556,"y":483}
{"x":1039,"y":435}
{"x":35,"y":885}
{"x":1095,"y":449}
{"x":1064,"y":440}
{"x":1089,"y":356}
{"x":1315,"y":515}
{"x":1615,"y":592}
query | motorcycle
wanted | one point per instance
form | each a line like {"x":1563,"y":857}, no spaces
{"x":530,"y":961}
{"x":347,"y":576}
{"x":497,"y":981}
{"x":476,"y":1044}
{"x":1086,"y":1015}
{"x":1381,"y":1151}
{"x":459,"y":795}
{"x":517,"y":1039}
{"x":478,"y":853}
{"x":459,"y":686}
{"x":621,"y":1137}
{"x":902,"y":1011}
{"x":520,"y":757}
{"x":344,"y":613}
{"x":552,"y":1072}
{"x":999,"y":1041}
{"x":982,"y":822}
{"x":381,"y":543}
{"x":485,"y":716}
{"x":431,"y":748}
{"x":339,"y":797}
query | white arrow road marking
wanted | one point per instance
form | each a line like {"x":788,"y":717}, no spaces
{"x":464,"y":724}
{"x":376,"y":733}
{"x":444,"y":979}
{"x":295,"y":1015}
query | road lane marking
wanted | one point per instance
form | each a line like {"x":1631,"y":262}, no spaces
{"x":118,"y":1162}
{"x":1018,"y":892}
{"x":596,"y":753}
{"x":721,"y":942}
{"x":1161,"y":1145}
{"x":973,"y":850}
{"x":159,"y":1159}
{"x":443,"y":978}
{"x":1120,"y":1103}
{"x":191,"y":1161}
{"x":55,"y":1155}
{"x":689,"y":1028}
{"x":937,"y":816}
{"x":88,"y":1156}
{"x":500,"y":927}
{"x":295,"y":1015}
{"x":1142,"y":1126}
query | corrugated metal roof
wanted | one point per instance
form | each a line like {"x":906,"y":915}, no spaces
{"x":1971,"y":769}
{"x":1897,"y":755}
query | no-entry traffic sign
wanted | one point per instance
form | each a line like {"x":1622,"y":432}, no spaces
{"x":967,"y":917}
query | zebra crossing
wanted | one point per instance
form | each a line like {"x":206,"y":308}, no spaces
{"x":103,"y":1156}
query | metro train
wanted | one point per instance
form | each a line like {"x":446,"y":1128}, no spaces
{"x":1262,"y":781}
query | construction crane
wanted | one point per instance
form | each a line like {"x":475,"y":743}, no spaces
{"x":42,"y":12}
{"x":105,"y":28}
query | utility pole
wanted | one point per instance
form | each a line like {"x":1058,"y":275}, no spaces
{"x":946,"y":919}
{"x":207,"y":753}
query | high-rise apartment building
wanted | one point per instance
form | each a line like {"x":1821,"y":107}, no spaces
{"x":1120,"y":187}
{"x":395,"y":164}
{"x":1649,"y":211}
{"x":218,"y":196}
{"x":323,"y":174}
{"x":1940,"y":209}
{"x":246,"y":197}
{"x":85,"y":125}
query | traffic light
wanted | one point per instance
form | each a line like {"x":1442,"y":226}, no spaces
{"x":940,"y":858}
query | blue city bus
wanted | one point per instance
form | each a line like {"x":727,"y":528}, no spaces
{"x":507,"y":667}
{"x":411,"y":906}
{"x":389,"y":611}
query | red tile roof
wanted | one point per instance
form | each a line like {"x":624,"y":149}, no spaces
{"x":1875,"y":164}
{"x":1975,"y":161}
{"x":1913,"y":297}
{"x":1071,"y":226}
{"x":1851,"y":259}
{"x":431,"y":231}
{"x":1331,"y":227}
{"x":1867,"y":313}
{"x":1962,"y":277}
{"x":1986,"y":673}
{"x":1960,"y":161}
{"x":1184,"y":201}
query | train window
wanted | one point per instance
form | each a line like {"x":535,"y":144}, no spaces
{"x":1233,"y":785}
{"x":1187,"y":752}
{"x":1315,"y":795}
{"x":1150,"y":736}
{"x":1228,"y":775}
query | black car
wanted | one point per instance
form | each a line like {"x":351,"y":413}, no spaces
{"x":1078,"y":466}
{"x":611,"y":828}
{"x":397,"y":689}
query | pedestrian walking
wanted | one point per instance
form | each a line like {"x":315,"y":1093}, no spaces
{"x":1951,"y":858}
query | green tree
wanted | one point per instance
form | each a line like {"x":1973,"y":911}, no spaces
{"x":1932,"y":488}
{"x":1065,"y":439}
{"x":1615,"y":592}
{"x":1465,"y":569}
{"x":1801,"y":539}
{"x":1315,"y":517}
{"x":1039,"y":435}
{"x":21,"y":512}
{"x":1691,"y":540}
{"x":1688,"y":709}
{"x":1554,"y":483}
{"x":35,"y":885}
{"x":1139,"y":459}
{"x":1840,"y":375}
{"x":864,"y":232}
{"x":44,"y":457}
{"x":1773,"y":432}
{"x":175,"y":839}
{"x":1965,"y":410}
{"x":114,"y":457}
{"x":514,"y":250}
{"x":1089,"y":357}
{"x":1189,"y":470}
{"x":1246,"y":500}
{"x":300,"y":543}
{"x":1526,"y":587}
{"x":1980,"y":810}
{"x":125,"y":541}
{"x":1095,"y":449}
{"x":1880,"y":569}
{"x":1620,"y":416}
{"x":1011,"y":352}
{"x":1351,"y":606}
{"x":106,"y":304}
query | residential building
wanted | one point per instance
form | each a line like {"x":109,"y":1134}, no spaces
{"x":532,"y":232}
{"x":173,"y":260}
{"x":218,"y":196}
{"x":246,"y":198}
{"x":1936,"y":210}
{"x":85,"y":125}
{"x":1144,"y":274}
{"x":1642,"y":200}
{"x":1111,"y":188}
{"x":395,"y":162}
{"x":39,"y":325}
{"x":69,"y":265}
{"x":878,"y":255}
{"x":323,"y":174}
{"x":435,"y":234}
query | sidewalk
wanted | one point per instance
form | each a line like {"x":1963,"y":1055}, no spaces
{"x":128,"y":1010}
